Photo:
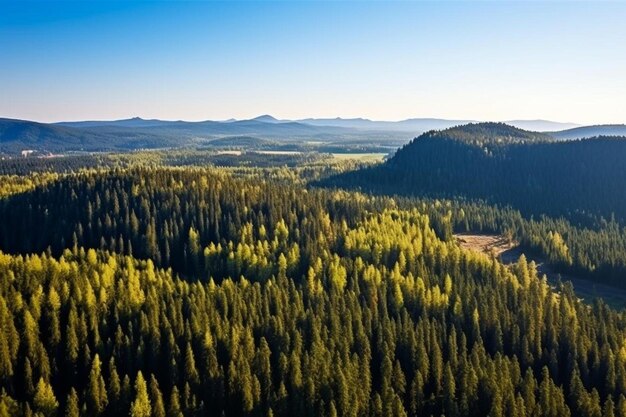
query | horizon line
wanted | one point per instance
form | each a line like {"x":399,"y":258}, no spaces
{"x":279,"y":119}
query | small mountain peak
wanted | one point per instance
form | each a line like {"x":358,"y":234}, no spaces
{"x":489,"y":133}
{"x":266,"y":118}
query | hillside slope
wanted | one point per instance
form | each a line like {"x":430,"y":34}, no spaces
{"x":31,"y":134}
{"x":17,"y":135}
{"x":505,"y":165}
{"x":590,"y":131}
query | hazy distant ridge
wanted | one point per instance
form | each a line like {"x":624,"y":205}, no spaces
{"x":138,"y":133}
{"x":591,"y":131}
{"x":417,"y":125}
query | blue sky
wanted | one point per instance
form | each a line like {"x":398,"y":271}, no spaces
{"x":496,"y":60}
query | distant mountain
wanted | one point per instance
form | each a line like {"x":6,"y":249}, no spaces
{"x":17,"y":135}
{"x":265,"y":125}
{"x":137,"y":133}
{"x":419,"y":125}
{"x":267,"y":119}
{"x":414,"y":126}
{"x":269,"y":129}
{"x":134,"y":122}
{"x":590,"y":131}
{"x":541,"y":125}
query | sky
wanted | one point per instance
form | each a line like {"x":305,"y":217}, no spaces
{"x":490,"y":60}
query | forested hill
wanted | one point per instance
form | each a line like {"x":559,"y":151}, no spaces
{"x":18,"y":135}
{"x":481,"y":134}
{"x":502,"y":164}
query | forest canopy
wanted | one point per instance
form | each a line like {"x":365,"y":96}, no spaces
{"x":134,"y":288}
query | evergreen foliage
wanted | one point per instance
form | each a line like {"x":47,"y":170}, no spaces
{"x":175,"y":292}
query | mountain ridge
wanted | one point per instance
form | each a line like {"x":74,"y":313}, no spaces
{"x":591,"y":131}
{"x":420,"y":124}
{"x":140,"y":133}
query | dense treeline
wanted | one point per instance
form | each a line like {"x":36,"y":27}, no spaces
{"x":163,"y":214}
{"x":15,"y":184}
{"x":291,"y":302}
{"x":577,"y":184}
{"x":249,"y":159}
{"x":75,"y":163}
{"x":29,"y":165}
{"x":597,"y":252}
{"x":151,"y":219}
{"x":572,"y":178}
{"x":594,"y":250}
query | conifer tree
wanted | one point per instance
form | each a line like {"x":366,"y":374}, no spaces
{"x":45,"y":401}
{"x":174,"y":404}
{"x":191,"y":372}
{"x":96,"y":390}
{"x":72,"y":408}
{"x":140,"y":407}
{"x":156,"y":398}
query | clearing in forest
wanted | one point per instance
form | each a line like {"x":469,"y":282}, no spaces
{"x":490,"y":244}
{"x":509,"y":252}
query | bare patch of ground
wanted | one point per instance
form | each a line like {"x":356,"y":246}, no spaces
{"x":365,"y":157}
{"x":236,"y":153}
{"x":509,"y":252}
{"x":279,"y":152}
{"x":489,"y":244}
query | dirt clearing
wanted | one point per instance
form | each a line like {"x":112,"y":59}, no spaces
{"x":509,"y":252}
{"x":490,"y":244}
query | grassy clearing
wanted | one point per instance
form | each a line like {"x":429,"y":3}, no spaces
{"x":365,"y":157}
